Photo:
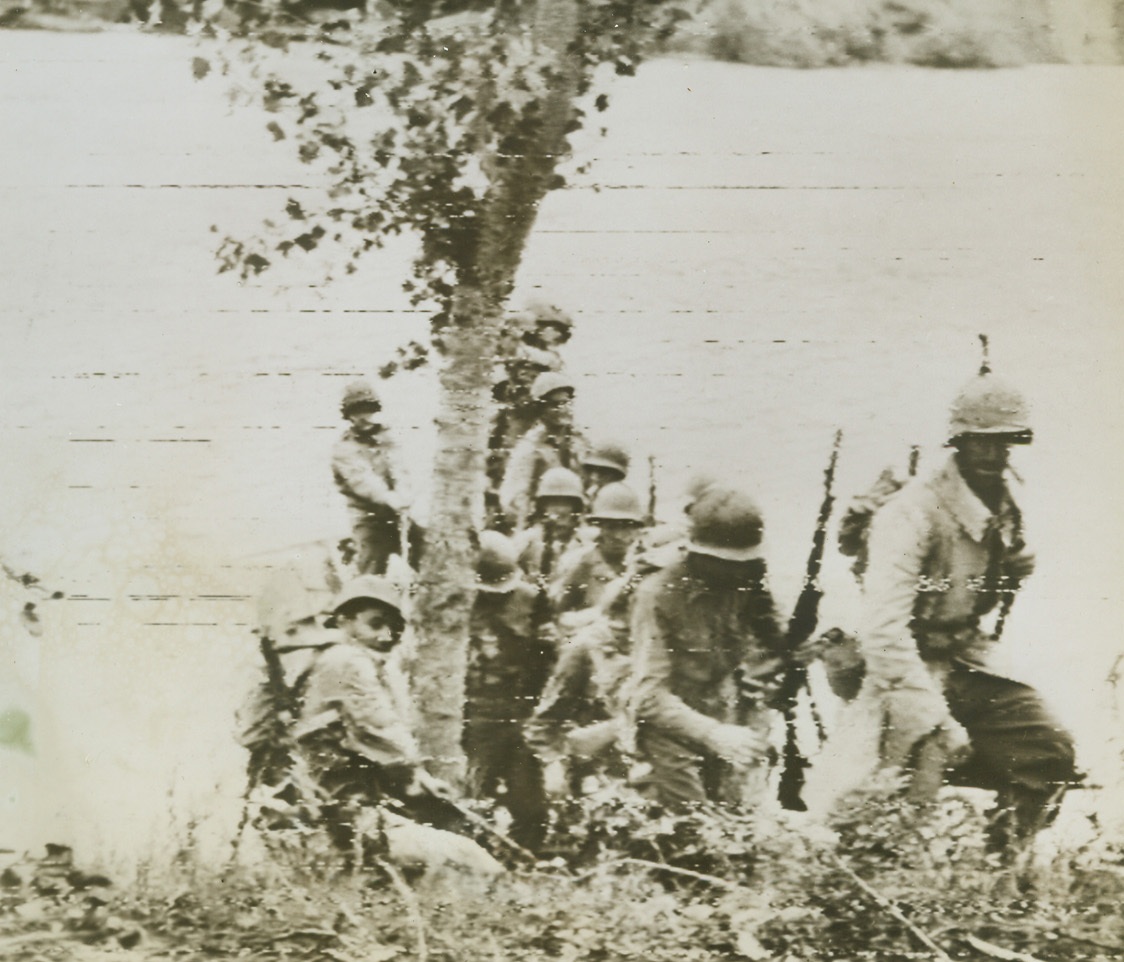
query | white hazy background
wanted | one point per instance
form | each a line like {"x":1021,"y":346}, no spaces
{"x":756,"y":257}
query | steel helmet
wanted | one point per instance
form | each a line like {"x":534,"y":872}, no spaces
{"x":550,"y":315}
{"x":990,"y":405}
{"x":548,"y":382}
{"x":610,"y":455}
{"x":358,"y":394}
{"x":726,"y":524}
{"x":699,"y":484}
{"x":560,"y":483}
{"x":497,"y":565}
{"x":372,"y":588}
{"x":616,"y":502}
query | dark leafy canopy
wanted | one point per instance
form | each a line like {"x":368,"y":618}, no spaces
{"x":421,"y":115}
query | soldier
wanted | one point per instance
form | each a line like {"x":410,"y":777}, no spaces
{"x":510,"y":654}
{"x":364,"y":470}
{"x":945,"y":555}
{"x":707,"y":656}
{"x":585,"y":572}
{"x":550,"y":327}
{"x":552,"y":443}
{"x":557,"y":517}
{"x":580,"y":726}
{"x":603,"y":465}
{"x":355,"y":738}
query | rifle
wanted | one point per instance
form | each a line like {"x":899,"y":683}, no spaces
{"x":800,"y":628}
{"x":651,"y":489}
{"x":271,"y":755}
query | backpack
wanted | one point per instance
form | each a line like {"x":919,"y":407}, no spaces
{"x":854,"y":528}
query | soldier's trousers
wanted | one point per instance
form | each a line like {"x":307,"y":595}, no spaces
{"x":683,"y":776}
{"x":377,"y":536}
{"x":1018,"y":750}
{"x":502,"y":767}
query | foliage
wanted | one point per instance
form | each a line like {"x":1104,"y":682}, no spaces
{"x":419,"y":119}
{"x":639,"y":883}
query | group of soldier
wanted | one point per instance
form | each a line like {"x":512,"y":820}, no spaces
{"x":604,"y":646}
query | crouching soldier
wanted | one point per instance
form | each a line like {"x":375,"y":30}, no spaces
{"x":354,"y":738}
{"x":946,"y":555}
{"x":704,"y":632}
{"x":511,"y":651}
{"x":580,"y":727}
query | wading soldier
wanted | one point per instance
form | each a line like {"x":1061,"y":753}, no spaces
{"x":511,"y":651}
{"x":946,"y":555}
{"x":707,"y":649}
{"x":365,"y":472}
{"x":552,"y":443}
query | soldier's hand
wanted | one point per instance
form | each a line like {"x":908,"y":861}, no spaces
{"x":757,"y":683}
{"x":425,"y":784}
{"x":738,"y":745}
{"x":1021,"y":565}
{"x":592,"y":740}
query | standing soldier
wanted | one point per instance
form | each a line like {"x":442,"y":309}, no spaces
{"x":585,"y":572}
{"x":946,"y":554}
{"x":604,"y":464}
{"x":510,"y":655}
{"x":708,"y":654}
{"x":547,"y":328}
{"x":365,"y":472}
{"x":554,"y":531}
{"x":552,"y":443}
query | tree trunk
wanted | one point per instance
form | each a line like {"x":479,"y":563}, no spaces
{"x":447,"y":579}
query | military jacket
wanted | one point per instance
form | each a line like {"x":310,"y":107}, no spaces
{"x":939,"y":563}
{"x":583,"y":575}
{"x":586,"y":692}
{"x":366,"y":474}
{"x":358,"y":700}
{"x":509,"y":655}
{"x":535,"y":453}
{"x":690,"y":640}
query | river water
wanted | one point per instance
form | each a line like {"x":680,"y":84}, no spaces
{"x":755,"y":257}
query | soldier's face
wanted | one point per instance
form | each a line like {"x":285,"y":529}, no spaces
{"x":550,"y":335}
{"x":560,"y":514}
{"x":367,"y":422}
{"x":557,"y":409}
{"x":614,"y":538}
{"x":982,"y":458}
{"x":597,"y":476}
{"x":372,"y":625}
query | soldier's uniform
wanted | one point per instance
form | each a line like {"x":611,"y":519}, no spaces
{"x":582,"y":578}
{"x":695,"y":641}
{"x":510,"y":655}
{"x":585,"y":572}
{"x":582,"y":720}
{"x":543,"y":447}
{"x":366,"y":473}
{"x":942,"y":570}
